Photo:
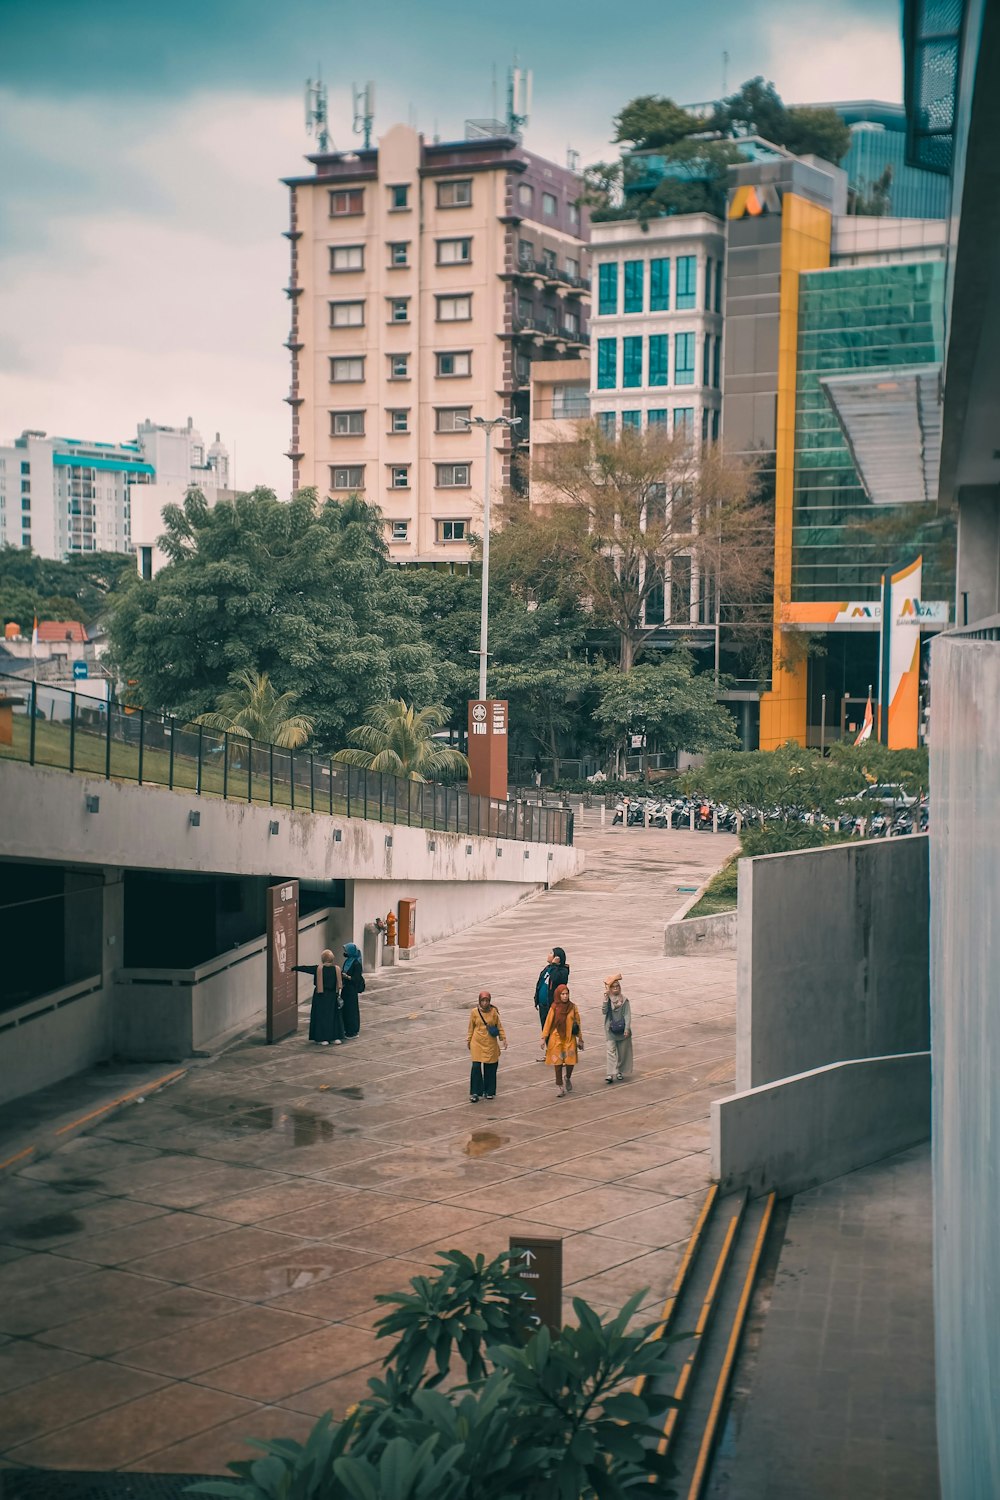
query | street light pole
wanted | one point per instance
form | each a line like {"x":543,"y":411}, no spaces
{"x":488,"y":425}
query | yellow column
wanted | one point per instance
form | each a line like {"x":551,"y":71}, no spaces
{"x":805,"y":246}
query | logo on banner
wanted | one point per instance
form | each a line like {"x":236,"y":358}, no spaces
{"x":479,"y":713}
{"x":755,"y":201}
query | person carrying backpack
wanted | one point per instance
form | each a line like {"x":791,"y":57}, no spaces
{"x":555,"y":973}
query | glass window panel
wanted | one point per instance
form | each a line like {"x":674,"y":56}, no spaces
{"x":687,"y":280}
{"x":607,"y":288}
{"x":659,"y":284}
{"x":633,"y":286}
{"x":659,"y":359}
{"x":631,"y":362}
{"x":607,"y":364}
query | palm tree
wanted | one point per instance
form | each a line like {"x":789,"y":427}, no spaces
{"x":251,"y":707}
{"x":399,"y":738}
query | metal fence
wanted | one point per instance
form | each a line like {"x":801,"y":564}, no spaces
{"x":56,"y":727}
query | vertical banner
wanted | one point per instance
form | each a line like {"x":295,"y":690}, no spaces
{"x":902,"y":620}
{"x":282,"y":956}
{"x":488,"y":748}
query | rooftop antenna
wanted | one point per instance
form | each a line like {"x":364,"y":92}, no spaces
{"x":493,"y":93}
{"x":364,"y":111}
{"x":572,"y":159}
{"x":518,"y":98}
{"x":317,"y":122}
{"x":725,"y":73}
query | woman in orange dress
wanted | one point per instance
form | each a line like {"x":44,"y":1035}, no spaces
{"x":562,"y":1039}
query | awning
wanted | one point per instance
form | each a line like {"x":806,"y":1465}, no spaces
{"x":892,"y":422}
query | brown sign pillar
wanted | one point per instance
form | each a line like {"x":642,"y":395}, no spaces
{"x":488,"y":748}
{"x":539,"y":1266}
{"x":282,"y":956}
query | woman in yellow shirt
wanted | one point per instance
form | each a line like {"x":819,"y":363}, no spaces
{"x":562,"y":1038}
{"x":486,"y":1037}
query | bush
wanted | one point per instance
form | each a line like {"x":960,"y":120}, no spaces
{"x":536,"y":1418}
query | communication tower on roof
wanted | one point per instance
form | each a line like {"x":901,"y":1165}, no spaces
{"x":317,"y":121}
{"x":364,"y":111}
{"x":519,"y":82}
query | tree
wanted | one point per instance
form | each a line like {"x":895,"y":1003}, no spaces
{"x":82,"y":588}
{"x":399,"y":739}
{"x":794,"y":777}
{"x":757,"y":109}
{"x":251,"y":708}
{"x":651,"y":120}
{"x":299,"y":591}
{"x":667,"y":704}
{"x":629,"y":508}
{"x":872,"y":199}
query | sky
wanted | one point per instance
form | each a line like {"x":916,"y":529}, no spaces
{"x":142,"y":144}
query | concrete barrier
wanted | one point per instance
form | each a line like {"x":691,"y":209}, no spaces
{"x":791,"y":1135}
{"x":689,"y":936}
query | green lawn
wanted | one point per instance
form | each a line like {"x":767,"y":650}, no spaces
{"x":720,"y":893}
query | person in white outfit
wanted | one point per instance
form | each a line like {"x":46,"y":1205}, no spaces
{"x":617,"y":1013}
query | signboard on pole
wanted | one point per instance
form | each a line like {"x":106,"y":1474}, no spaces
{"x":81,"y":671}
{"x":488,"y":748}
{"x":539,"y":1266}
{"x":902,"y":654}
{"x":282,"y":956}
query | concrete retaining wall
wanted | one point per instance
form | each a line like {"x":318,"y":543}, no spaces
{"x":788,"y":1136}
{"x":689,"y":936}
{"x":832,"y":957}
{"x":165,"y":1015}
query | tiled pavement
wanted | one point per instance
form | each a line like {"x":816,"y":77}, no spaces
{"x":203,"y":1267}
{"x":841,"y":1399}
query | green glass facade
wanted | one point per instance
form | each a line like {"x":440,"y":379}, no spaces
{"x":853,"y":320}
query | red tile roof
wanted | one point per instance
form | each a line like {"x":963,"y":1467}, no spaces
{"x":61,"y":630}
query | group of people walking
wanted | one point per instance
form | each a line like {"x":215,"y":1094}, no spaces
{"x":562,"y":1031}
{"x":335,"y":1013}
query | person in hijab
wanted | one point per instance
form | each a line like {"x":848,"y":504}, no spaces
{"x":325,"y":1022}
{"x":486,"y":1037}
{"x":352,"y":984}
{"x":562,"y":1038}
{"x":617,"y":1013}
{"x":555,"y":973}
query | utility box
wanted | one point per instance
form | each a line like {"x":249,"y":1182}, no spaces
{"x":407,"y":923}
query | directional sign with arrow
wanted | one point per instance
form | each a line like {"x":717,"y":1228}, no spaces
{"x":538,"y":1262}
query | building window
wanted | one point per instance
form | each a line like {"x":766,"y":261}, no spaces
{"x":607,"y":364}
{"x":146,"y":563}
{"x":572,"y":268}
{"x":659,"y":359}
{"x":570,"y":401}
{"x":525,"y":194}
{"x":687,"y":280}
{"x":606,"y":423}
{"x":657,"y":416}
{"x":342,"y":370}
{"x":399,"y":309}
{"x":549,"y":204}
{"x":454,"y":309}
{"x":718,"y":286}
{"x":573,"y":213}
{"x":454,"y":252}
{"x":659,"y":284}
{"x":399,"y":477}
{"x":345,"y":202}
{"x":549,"y":261}
{"x":717,"y":363}
{"x":525,"y":312}
{"x":607,"y":288}
{"x":399,"y":367}
{"x":399,"y":530}
{"x":451,"y":531}
{"x":455,"y":194}
{"x":684,"y":359}
{"x":704,"y":424}
{"x":525,"y":255}
{"x":450,"y":366}
{"x":347,"y":314}
{"x":451,"y":476}
{"x":352,"y":478}
{"x":709,"y":263}
{"x":633,"y":286}
{"x":347,"y":257}
{"x":25,"y":467}
{"x":706,"y":360}
{"x":632,"y":419}
{"x":399,"y":420}
{"x":631,"y":362}
{"x":452,"y":418}
{"x":571,"y":323}
{"x":715,"y":426}
{"x":347,"y":424}
{"x":399,"y":253}
{"x":399,"y":196}
{"x":684,"y":421}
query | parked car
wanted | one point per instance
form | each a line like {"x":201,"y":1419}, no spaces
{"x":884,"y":794}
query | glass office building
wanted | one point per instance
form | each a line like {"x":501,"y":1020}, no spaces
{"x":860,"y":321}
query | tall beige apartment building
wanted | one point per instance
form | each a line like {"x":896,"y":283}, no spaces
{"x":425,"y":279}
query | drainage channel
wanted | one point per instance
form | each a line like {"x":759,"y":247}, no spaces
{"x":705,"y":1318}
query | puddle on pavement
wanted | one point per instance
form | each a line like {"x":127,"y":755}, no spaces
{"x":352,"y":1091}
{"x":293,"y":1278}
{"x":69,"y":1185}
{"x":50,"y":1226}
{"x":481,"y":1142}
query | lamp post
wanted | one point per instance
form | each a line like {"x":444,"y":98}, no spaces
{"x":488,"y":424}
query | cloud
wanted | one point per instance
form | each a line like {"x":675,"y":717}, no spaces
{"x":820,"y":61}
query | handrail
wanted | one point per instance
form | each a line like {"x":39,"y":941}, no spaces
{"x":66,"y":730}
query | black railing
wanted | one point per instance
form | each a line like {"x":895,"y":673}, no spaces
{"x":66,"y":730}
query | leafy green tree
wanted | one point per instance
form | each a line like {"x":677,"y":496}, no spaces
{"x":82,"y":588}
{"x":399,"y":739}
{"x":757,"y":109}
{"x":251,"y":708}
{"x":299,"y":591}
{"x":792,"y":776}
{"x":651,"y":120}
{"x":669,"y":704}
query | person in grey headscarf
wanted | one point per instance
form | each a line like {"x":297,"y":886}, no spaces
{"x":617,"y":1014}
{"x":352,"y":984}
